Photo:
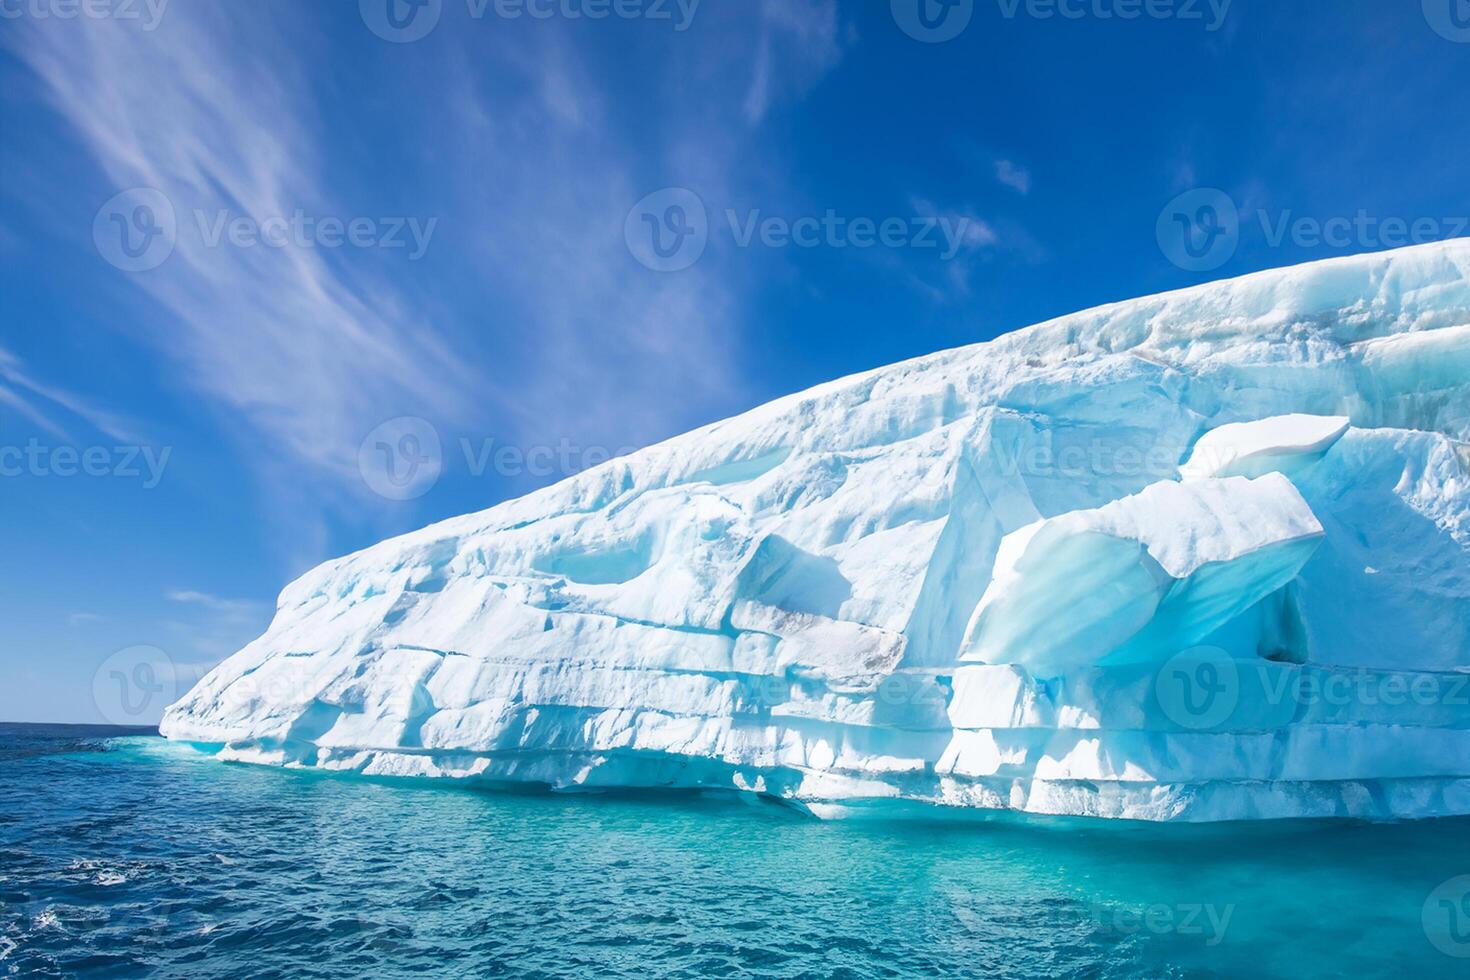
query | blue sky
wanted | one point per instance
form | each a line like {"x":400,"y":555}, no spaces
{"x":240,"y":243}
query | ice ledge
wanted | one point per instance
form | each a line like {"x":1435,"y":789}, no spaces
{"x":1252,"y":449}
{"x":1143,"y":577}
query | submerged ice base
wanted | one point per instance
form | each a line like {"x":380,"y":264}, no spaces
{"x":1201,"y":556}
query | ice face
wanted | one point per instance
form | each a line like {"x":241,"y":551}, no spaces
{"x":1199,"y":556}
{"x":1275,"y":445}
{"x":1141,"y":578}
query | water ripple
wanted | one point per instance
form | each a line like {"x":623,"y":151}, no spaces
{"x":119,"y":858}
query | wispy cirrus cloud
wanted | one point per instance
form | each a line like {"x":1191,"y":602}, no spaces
{"x":209,"y":112}
{"x":213,"y":627}
{"x":609,"y":332}
{"x":798,"y":42}
{"x":530,"y":320}
{"x":1014,"y":176}
{"x":39,"y":402}
{"x":230,"y":609}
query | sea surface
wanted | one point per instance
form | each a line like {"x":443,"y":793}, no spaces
{"x":125,"y":855}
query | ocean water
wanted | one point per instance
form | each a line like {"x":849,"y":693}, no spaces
{"x":124,"y":855}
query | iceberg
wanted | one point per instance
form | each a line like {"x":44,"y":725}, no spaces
{"x":1198,"y":556}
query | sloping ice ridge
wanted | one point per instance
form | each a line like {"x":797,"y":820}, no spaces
{"x":1200,"y":556}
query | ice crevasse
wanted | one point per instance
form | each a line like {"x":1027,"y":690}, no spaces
{"x":1199,"y":556}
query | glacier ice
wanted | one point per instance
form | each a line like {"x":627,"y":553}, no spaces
{"x":1276,"y":445}
{"x":1143,"y":577}
{"x":1199,"y":556}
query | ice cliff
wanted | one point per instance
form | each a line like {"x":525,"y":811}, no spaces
{"x":1200,"y":556}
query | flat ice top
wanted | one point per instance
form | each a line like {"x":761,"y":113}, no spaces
{"x":1185,"y":526}
{"x":1221,"y":450}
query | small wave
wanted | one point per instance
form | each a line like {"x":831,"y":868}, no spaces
{"x":13,"y":752}
{"x":97,"y":873}
{"x":18,"y":742}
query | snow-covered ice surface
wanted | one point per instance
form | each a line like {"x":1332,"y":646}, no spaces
{"x":1272,"y":445}
{"x":1200,"y":556}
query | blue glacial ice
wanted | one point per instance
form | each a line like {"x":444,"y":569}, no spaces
{"x":1199,"y":556}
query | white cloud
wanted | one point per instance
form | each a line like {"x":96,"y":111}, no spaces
{"x":217,"y":626}
{"x":596,"y":337}
{"x":978,"y":240}
{"x":233,"y":609}
{"x":623,"y":355}
{"x":798,"y":43}
{"x":977,"y":231}
{"x":544,"y":327}
{"x":1013,"y":175}
{"x":38,"y":402}
{"x":210,"y":113}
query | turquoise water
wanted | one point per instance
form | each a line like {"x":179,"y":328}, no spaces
{"x":132,"y":856}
